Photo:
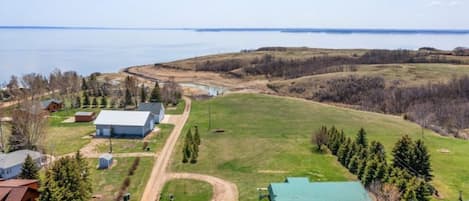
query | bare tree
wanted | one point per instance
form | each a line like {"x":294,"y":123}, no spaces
{"x":384,"y":192}
{"x":320,"y":138}
{"x":171,"y":92}
{"x":29,"y":122}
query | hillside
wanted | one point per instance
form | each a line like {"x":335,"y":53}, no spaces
{"x":266,"y":138}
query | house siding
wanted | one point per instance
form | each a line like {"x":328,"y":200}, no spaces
{"x":14,"y":171}
{"x":127,"y":131}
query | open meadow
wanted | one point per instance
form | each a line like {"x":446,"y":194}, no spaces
{"x":267,"y":138}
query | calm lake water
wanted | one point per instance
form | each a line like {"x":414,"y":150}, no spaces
{"x":91,"y":50}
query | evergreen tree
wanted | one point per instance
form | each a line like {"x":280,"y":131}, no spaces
{"x":84,"y":86}
{"x":85,"y":177}
{"x":15,"y":140}
{"x":196,"y":136}
{"x":353,"y":164}
{"x":370,"y":172}
{"x":128,"y":97}
{"x":86,"y":100}
{"x":29,"y":169}
{"x":156,"y":94}
{"x":194,"y":153}
{"x":103,"y":102}
{"x":343,"y":152}
{"x":49,"y":189}
{"x":95,"y":102}
{"x":377,"y":149}
{"x":361,"y":138}
{"x":143,"y":94}
{"x":361,"y":168}
{"x":402,"y":153}
{"x":77,"y":102}
{"x":189,"y":138}
{"x":422,"y":191}
{"x":381,"y":171}
{"x":421,"y":161}
{"x":186,"y":153}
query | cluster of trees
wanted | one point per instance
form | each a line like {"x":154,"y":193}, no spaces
{"x":409,"y":172}
{"x":190,"y":150}
{"x":442,"y":107}
{"x":68,"y":178}
{"x":270,"y":66}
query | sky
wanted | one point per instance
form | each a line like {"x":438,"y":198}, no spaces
{"x":400,"y":14}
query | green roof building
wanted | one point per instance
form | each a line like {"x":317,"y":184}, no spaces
{"x":300,"y":189}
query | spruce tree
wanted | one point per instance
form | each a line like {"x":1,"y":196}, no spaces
{"x":353,"y":164}
{"x":343,"y":152}
{"x":84,"y":86}
{"x":85,"y":177}
{"x":361,"y":168}
{"x":49,"y":189}
{"x":370,"y":172}
{"x":77,"y":102}
{"x":86,"y":100}
{"x":95,"y":102}
{"x":186,"y":153}
{"x":377,"y":149}
{"x":194,"y":153}
{"x":128,"y":97}
{"x":421,"y":161}
{"x":143,"y":94}
{"x":156,"y":94}
{"x":29,"y":169}
{"x":361,"y":138}
{"x":402,"y":153}
{"x":422,"y":191}
{"x":103,"y":102}
{"x":196,"y":136}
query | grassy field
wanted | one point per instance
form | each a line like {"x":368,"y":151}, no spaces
{"x":155,"y":143}
{"x":267,"y":138}
{"x":107,"y":182}
{"x":183,"y":189}
{"x":179,"y":109}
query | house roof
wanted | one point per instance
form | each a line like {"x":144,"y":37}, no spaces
{"x":17,"y":157}
{"x":106,"y":156}
{"x":122,"y":118}
{"x":300,"y":189}
{"x":154,"y":108}
{"x":16,"y":189}
{"x":84,"y":114}
{"x":46,"y":103}
{"x":17,"y":182}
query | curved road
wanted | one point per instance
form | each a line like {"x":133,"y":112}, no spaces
{"x":223,"y":190}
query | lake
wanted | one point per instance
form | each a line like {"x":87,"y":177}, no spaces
{"x":87,"y":50}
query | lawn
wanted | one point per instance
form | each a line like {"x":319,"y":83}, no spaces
{"x":267,"y":138}
{"x":107,"y":182}
{"x":155,"y":143}
{"x":183,"y":189}
{"x":179,"y":109}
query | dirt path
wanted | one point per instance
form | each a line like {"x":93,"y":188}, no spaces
{"x":222,"y":190}
{"x":158,"y":175}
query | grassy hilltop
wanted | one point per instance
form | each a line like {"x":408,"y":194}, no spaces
{"x":267,"y":138}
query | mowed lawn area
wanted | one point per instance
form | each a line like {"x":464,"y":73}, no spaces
{"x":184,"y":189}
{"x":63,"y":138}
{"x":267,"y":138}
{"x":155,"y":142}
{"x":107,"y":183}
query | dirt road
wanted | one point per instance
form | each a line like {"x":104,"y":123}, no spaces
{"x":158,"y":175}
{"x":222,"y":190}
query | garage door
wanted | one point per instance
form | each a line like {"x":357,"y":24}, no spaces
{"x":106,"y":132}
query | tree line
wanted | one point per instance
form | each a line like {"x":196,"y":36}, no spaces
{"x":442,"y":107}
{"x":271,"y":66}
{"x":407,"y":177}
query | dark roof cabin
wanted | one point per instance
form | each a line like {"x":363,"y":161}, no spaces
{"x":52,"y":105}
{"x":84,"y":116}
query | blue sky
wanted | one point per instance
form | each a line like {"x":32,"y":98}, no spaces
{"x":432,"y":14}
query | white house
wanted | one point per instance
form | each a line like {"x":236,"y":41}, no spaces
{"x":124,"y":123}
{"x":156,"y":109}
{"x":12,"y":163}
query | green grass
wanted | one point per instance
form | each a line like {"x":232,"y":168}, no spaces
{"x":136,"y":145}
{"x":179,"y":108}
{"x":108,"y":182}
{"x":184,"y":189}
{"x":273,"y":133}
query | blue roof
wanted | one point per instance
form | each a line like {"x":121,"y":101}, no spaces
{"x":300,"y":189}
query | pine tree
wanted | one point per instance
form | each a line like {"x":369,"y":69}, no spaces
{"x":128,"y":97}
{"x":156,"y":94}
{"x":402,"y":153}
{"x":377,"y":149}
{"x":361,"y":168}
{"x":186,"y":153}
{"x":370,"y":172}
{"x":95,"y":102}
{"x":29,"y":169}
{"x":85,"y":175}
{"x":84,"y":86}
{"x":86,"y":100}
{"x":196,"y":136}
{"x":195,"y":153}
{"x":421,"y":161}
{"x":103,"y":102}
{"x":343,"y":151}
{"x":143,"y":94}
{"x":422,"y":191}
{"x":353,"y":164}
{"x":77,"y":102}
{"x":49,"y":189}
{"x":189,"y":138}
{"x":361,"y":138}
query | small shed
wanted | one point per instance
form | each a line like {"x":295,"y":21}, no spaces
{"x":84,"y":116}
{"x":105,"y":161}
